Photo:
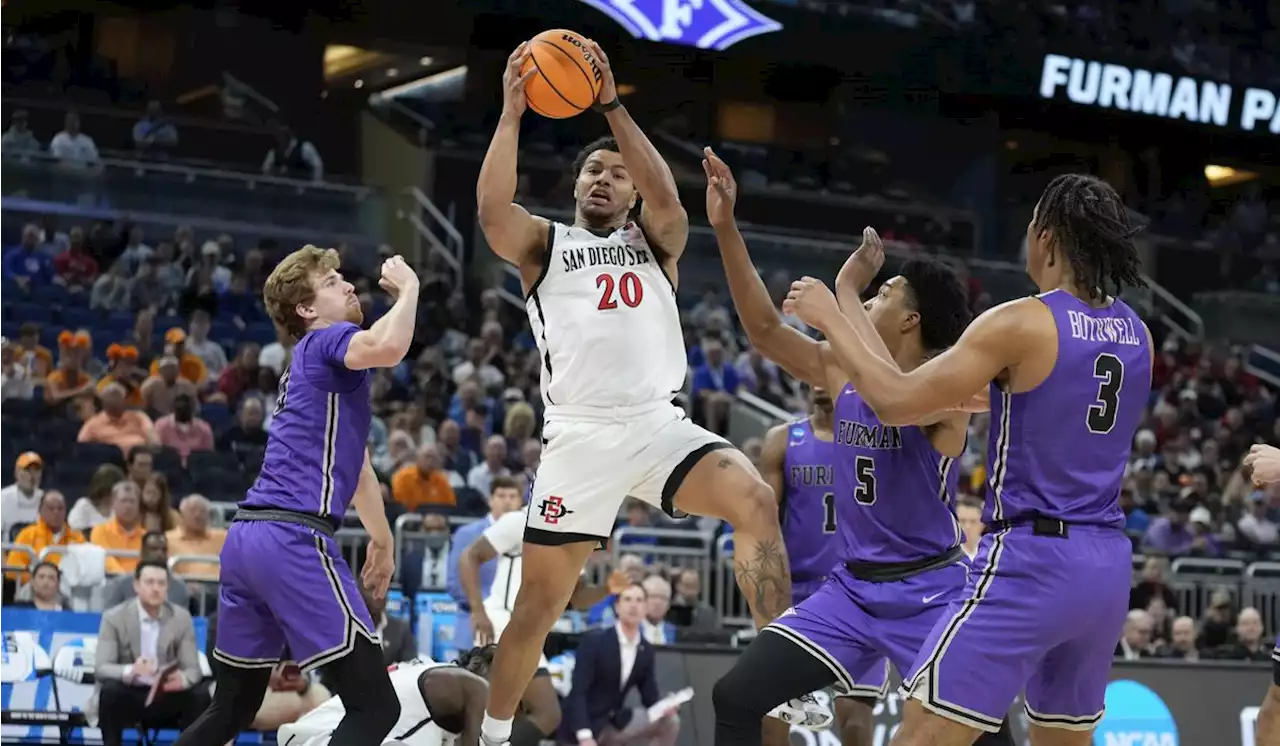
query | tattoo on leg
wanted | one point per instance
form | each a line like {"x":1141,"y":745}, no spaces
{"x":765,"y":578}
{"x":725,"y":463}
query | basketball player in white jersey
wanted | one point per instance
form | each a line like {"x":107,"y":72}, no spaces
{"x":504,"y":541}
{"x":601,"y":302}
{"x":440,"y":705}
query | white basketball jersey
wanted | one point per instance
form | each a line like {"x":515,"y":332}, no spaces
{"x":605,"y":317}
{"x":414,"y":728}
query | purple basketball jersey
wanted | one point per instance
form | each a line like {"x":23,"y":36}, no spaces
{"x":893,"y":490}
{"x":1060,"y":449}
{"x":808,"y":504}
{"x":318,"y":435}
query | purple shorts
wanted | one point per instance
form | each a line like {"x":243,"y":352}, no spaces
{"x":286,"y":585}
{"x":1040,"y":614}
{"x":802,"y":589}
{"x":856,"y":627}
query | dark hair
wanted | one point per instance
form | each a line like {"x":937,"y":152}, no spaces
{"x":600,"y":143}
{"x":969,"y":501}
{"x":46,"y":563}
{"x":941,"y":298}
{"x":630,"y":585}
{"x":477,"y":660}
{"x":28,"y":329}
{"x":133,"y":453}
{"x":144,"y":564}
{"x":104,"y":480}
{"x":1090,"y":224}
{"x":153,"y":534}
{"x":503,"y":483}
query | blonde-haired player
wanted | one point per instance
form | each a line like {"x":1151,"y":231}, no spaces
{"x":601,"y":298}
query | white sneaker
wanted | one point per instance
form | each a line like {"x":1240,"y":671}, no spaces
{"x":804,"y":712}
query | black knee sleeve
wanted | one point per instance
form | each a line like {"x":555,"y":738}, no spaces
{"x":236,"y":698}
{"x":360,"y":679}
{"x":772,"y":670}
{"x":525,"y":733}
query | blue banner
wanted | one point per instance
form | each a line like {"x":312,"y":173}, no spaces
{"x":437,"y":619}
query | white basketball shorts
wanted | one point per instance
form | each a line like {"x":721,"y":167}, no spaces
{"x":594,"y":458}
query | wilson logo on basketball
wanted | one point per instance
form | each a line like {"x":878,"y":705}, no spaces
{"x":573,"y":40}
{"x":552,"y":510}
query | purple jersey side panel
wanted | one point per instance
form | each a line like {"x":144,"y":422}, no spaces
{"x":893,"y":490}
{"x":318,"y":435}
{"x":808,"y":508}
{"x":1060,"y":449}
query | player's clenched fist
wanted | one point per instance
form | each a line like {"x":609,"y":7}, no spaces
{"x":397,"y":276}
{"x":812,"y":301}
{"x":1263,"y":464}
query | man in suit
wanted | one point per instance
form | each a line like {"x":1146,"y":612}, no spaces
{"x":611,"y":661}
{"x":504,"y":497}
{"x":144,"y":644}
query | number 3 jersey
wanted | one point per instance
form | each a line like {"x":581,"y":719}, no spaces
{"x":605,"y":318}
{"x":1061,"y":448}
{"x":893,"y":490}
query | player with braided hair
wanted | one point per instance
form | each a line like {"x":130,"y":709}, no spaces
{"x":1069,"y":374}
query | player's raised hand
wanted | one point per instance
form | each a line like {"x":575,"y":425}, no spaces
{"x":379,"y":566}
{"x":1262,"y":464}
{"x":868,"y":258}
{"x":812,"y":302}
{"x":722,"y":190}
{"x":608,"y":89}
{"x":397,"y":276}
{"x":513,"y":100}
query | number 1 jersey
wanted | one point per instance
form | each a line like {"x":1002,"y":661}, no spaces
{"x":605,"y":318}
{"x":1060,"y":449}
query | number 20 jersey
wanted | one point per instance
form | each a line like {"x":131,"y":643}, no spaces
{"x":605,"y":318}
{"x":1060,"y":449}
{"x":893,"y":490}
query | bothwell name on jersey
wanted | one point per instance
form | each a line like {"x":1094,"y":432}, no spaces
{"x":605,"y":317}
{"x":859,"y":435}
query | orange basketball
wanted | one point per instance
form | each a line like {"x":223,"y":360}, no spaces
{"x":567,"y":81}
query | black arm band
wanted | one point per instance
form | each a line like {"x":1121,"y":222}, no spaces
{"x":606,"y":108}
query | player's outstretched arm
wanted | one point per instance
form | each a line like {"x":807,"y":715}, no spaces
{"x":473,"y":557}
{"x":456,"y":692}
{"x":798,"y":354}
{"x":387,"y":342}
{"x":773,"y":457}
{"x":992,"y":343}
{"x":510,"y":230}
{"x":661,"y":214}
{"x":379,"y":561}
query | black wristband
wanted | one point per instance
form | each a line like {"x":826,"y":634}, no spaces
{"x":606,"y":108}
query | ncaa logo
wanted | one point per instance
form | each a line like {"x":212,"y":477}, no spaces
{"x":1136,"y":716}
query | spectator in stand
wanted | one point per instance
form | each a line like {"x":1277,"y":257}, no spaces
{"x":172,"y":276}
{"x":531,"y":457}
{"x":1248,"y":644}
{"x":24,"y":264}
{"x":449,"y":440}
{"x":247,"y":434}
{"x":20,"y":501}
{"x":241,"y":375}
{"x":715,"y":383}
{"x":1171,"y":535}
{"x":184,"y":431}
{"x":18,"y":139}
{"x":76,"y":267}
{"x":478,"y":368}
{"x":1136,"y":520}
{"x":116,"y":425}
{"x":154,"y":135}
{"x":760,"y":376}
{"x":293,"y":157}
{"x":123,"y":530}
{"x":398,"y":643}
{"x":1256,"y":525}
{"x":1219,"y":621}
{"x":656,"y":629}
{"x":95,"y":508}
{"x":481,"y":476}
{"x":687,"y":607}
{"x":68,"y":381}
{"x":15,"y":382}
{"x":1182,"y":640}
{"x":138,"y":642}
{"x":190,"y":366}
{"x":29,"y":352}
{"x":199,"y":292}
{"x":122,"y":369}
{"x":198,"y":344}
{"x":141,"y":465}
{"x":146,"y":290}
{"x":42,"y":592}
{"x":1152,"y":585}
{"x":155,"y":548}
{"x":274,"y":356}
{"x":110,"y":291}
{"x":160,"y":390}
{"x":49,"y":530}
{"x":136,"y":251}
{"x":72,"y":147}
{"x":423,"y":483}
{"x":194,"y":537}
{"x":1135,"y":640}
{"x":157,"y":504}
{"x":401,"y":453}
